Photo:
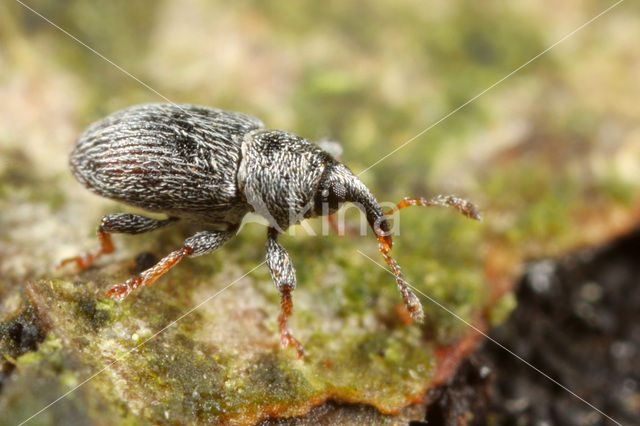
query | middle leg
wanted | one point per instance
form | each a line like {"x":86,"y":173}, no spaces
{"x":199,"y":244}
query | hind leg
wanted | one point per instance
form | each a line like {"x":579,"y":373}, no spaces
{"x":199,"y":244}
{"x":119,"y":223}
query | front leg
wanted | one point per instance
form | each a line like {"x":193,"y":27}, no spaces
{"x":284,"y":276}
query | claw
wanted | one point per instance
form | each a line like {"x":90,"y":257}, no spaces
{"x":118,"y":292}
{"x":287,"y":339}
{"x":81,"y":262}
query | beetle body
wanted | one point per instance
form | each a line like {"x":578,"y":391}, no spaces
{"x":202,"y":164}
{"x":211,"y":167}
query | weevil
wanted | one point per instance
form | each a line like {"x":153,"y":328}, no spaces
{"x":212,"y":167}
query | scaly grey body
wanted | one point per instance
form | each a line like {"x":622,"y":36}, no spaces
{"x":212,"y":167}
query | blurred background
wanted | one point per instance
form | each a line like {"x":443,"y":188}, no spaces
{"x":369,"y":76}
{"x":551,"y":155}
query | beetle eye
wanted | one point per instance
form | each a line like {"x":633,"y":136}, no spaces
{"x":328,"y":200}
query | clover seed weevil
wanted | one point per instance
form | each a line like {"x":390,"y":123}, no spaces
{"x":211,"y":167}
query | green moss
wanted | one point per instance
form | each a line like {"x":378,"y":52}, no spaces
{"x":87,"y":307}
{"x":207,"y":381}
{"x":30,"y":358}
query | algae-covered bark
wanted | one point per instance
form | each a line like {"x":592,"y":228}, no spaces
{"x":550,"y":156}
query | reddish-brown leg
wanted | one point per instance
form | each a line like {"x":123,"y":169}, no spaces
{"x":106,"y":247}
{"x":118,"y":223}
{"x":463,"y":206}
{"x":120,"y":291}
{"x":286,"y":338}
